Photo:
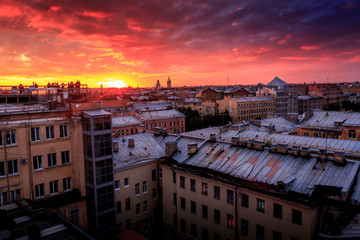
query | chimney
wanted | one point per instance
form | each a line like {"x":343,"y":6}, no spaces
{"x":235,"y":141}
{"x":192,"y":148}
{"x":115,"y":146}
{"x":131,"y":143}
{"x":157,"y":131}
{"x":212,"y":138}
{"x":170,"y":148}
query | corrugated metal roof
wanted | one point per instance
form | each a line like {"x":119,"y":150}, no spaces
{"x":348,"y":146}
{"x":252,"y":99}
{"x":327,"y":119}
{"x":94,"y":113}
{"x":145,"y":149}
{"x":164,"y":114}
{"x":125,"y":121}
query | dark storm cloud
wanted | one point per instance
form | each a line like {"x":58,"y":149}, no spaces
{"x":216,"y":25}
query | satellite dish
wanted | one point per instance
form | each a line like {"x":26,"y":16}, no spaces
{"x":66,"y":95}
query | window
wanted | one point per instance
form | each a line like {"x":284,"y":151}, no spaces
{"x":182,"y":181}
{"x":352,"y":134}
{"x":204,"y":211}
{"x":174,"y":198}
{"x":260,"y":232}
{"x":37,"y":162}
{"x":175,"y":218}
{"x":104,"y":171}
{"x":160,"y":173}
{"x":39,"y":190}
{"x":118,"y":207}
{"x":146,"y":223}
{"x":182,"y":203}
{"x":245,"y":200}
{"x":2,"y":169}
{"x":137,"y":189}
{"x":63,"y":131}
{"x":154,"y":193}
{"x":146,"y":207}
{"x":65,"y":157}
{"x":67,"y":184}
{"x":51,"y":159}
{"x":244,"y":227}
{"x":174,"y":177}
{"x":217,"y":192}
{"x":127,"y":204}
{"x":306,"y":134}
{"x":138,"y":211}
{"x":260,"y":206}
{"x":204,"y":234}
{"x":277,"y":235}
{"x":193,"y":185}
{"x":117,"y":185}
{"x":230,"y":196}
{"x":1,"y":140}
{"x":153,"y":174}
{"x":13,"y":167}
{"x":193,"y":230}
{"x":128,"y":224}
{"x":296,"y":217}
{"x":204,"y":188}
{"x":277,"y":210}
{"x":193,"y":207}
{"x":3,"y":199}
{"x":50,"y":133}
{"x":217,"y":236}
{"x":145,"y":189}
{"x":316,"y":134}
{"x":126,"y":182}
{"x":216,"y":216}
{"x":10,"y":137}
{"x":182,"y":225}
{"x":35,"y":134}
{"x":14,"y":194}
{"x":230,"y":221}
{"x":54,"y":187}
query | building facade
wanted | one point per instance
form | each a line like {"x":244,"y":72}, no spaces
{"x":308,"y":103}
{"x":40,"y":160}
{"x":247,"y":108}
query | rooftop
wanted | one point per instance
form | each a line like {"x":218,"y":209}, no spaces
{"x":252,"y":99}
{"x":277,"y":82}
{"x":162,"y":114}
{"x":327,"y":119}
{"x":125,"y":121}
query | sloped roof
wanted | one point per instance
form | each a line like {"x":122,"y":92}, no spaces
{"x":125,"y":121}
{"x":277,"y":82}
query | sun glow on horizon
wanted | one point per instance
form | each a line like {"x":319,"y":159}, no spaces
{"x":112,"y":83}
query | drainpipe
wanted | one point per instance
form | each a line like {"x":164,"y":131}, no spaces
{"x":6,"y":170}
{"x":236,"y":216}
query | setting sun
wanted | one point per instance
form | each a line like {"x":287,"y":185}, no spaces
{"x":113,"y":84}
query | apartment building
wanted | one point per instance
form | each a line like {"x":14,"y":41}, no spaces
{"x":308,"y":103}
{"x":40,"y":159}
{"x":247,"y":108}
{"x":124,"y":126}
{"x":285,"y":96}
{"x":171,"y":120}
{"x":331,"y":124}
{"x":137,"y":180}
{"x":331,"y":93}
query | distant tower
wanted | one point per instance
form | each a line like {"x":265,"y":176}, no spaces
{"x":169,"y":83}
{"x":157,"y":84}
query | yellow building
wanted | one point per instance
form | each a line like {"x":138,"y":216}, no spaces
{"x":40,"y":159}
{"x":247,"y":108}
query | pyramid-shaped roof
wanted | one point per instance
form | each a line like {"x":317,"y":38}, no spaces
{"x":277,"y":82}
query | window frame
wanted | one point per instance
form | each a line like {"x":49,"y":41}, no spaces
{"x":35,"y":134}
{"x":37,"y":163}
{"x":50,"y":132}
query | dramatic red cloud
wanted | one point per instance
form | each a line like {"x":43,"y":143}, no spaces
{"x":195,"y":43}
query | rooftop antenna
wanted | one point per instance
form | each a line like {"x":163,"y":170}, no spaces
{"x":228,"y":80}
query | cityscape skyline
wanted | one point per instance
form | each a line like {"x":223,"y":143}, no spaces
{"x":195,"y":43}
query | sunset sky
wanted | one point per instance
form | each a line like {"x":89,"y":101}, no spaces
{"x":194,"y":42}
